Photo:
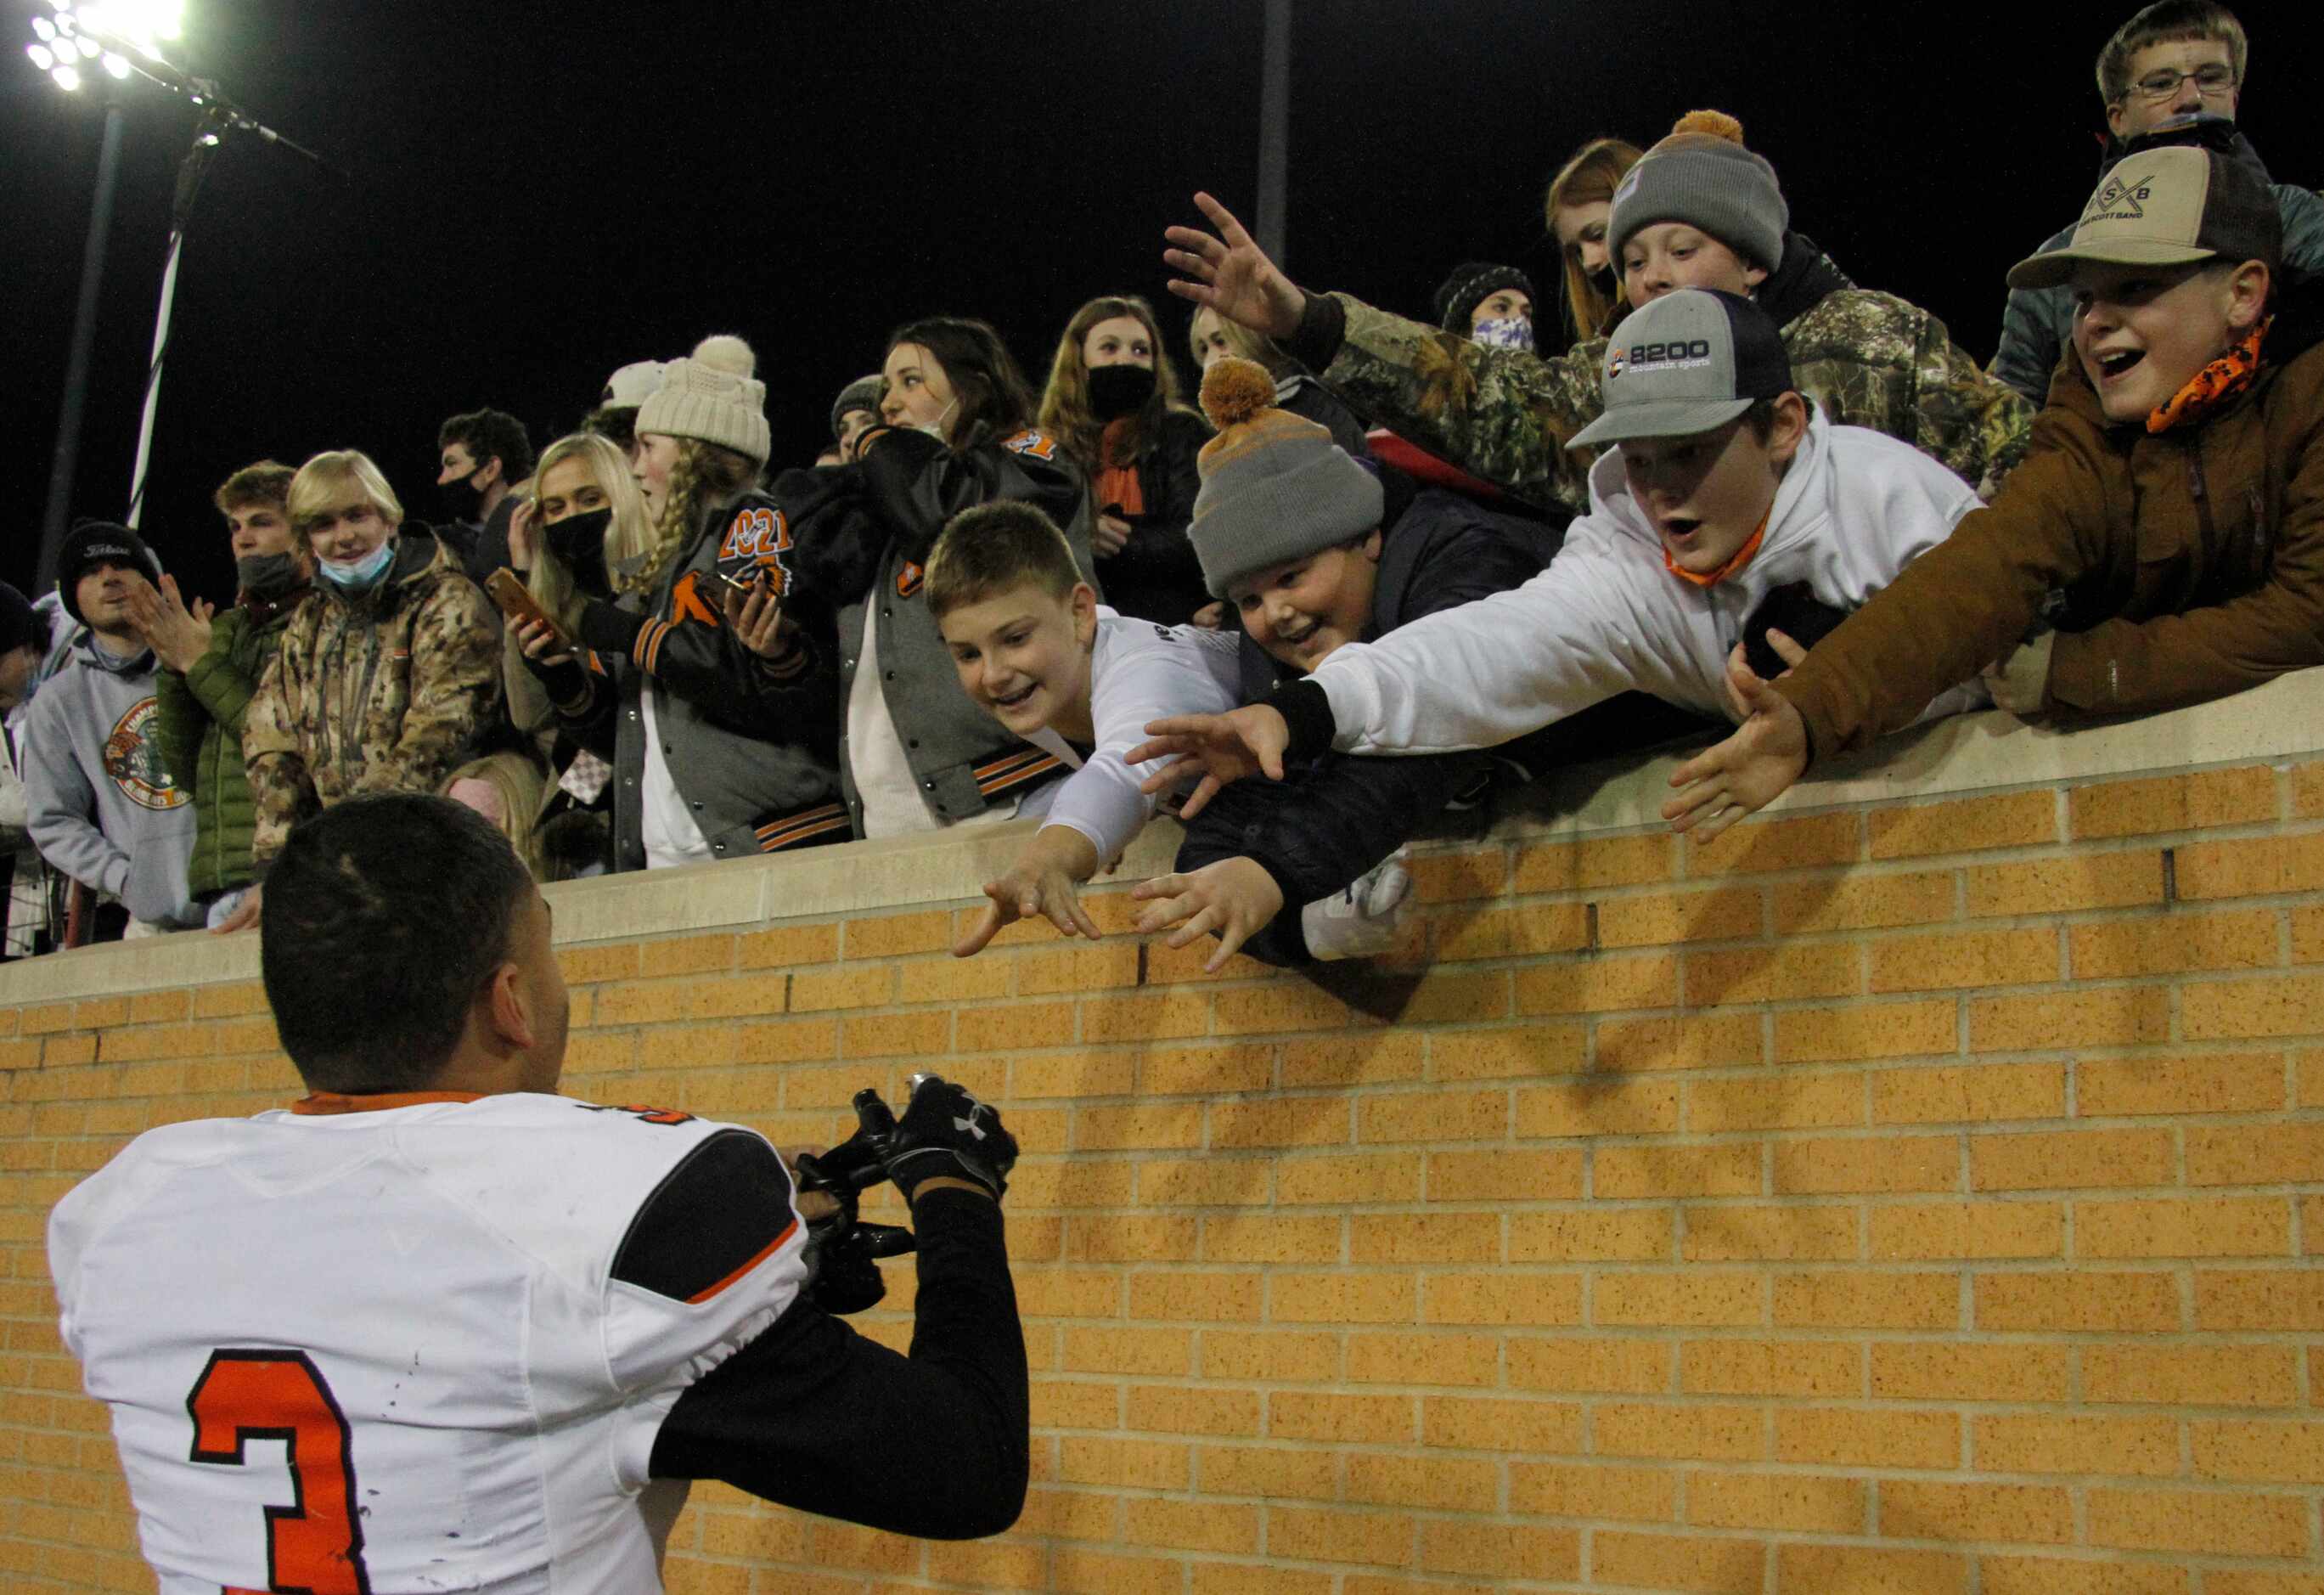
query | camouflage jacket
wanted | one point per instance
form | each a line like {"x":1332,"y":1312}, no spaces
{"x":1868,"y":360}
{"x":380,"y":691}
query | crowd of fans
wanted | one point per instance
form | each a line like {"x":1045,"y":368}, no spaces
{"x":1387,"y":563}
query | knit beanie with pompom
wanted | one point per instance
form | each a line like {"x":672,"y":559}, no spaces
{"x":1274,"y":486}
{"x":1702,"y":175}
{"x":711,"y":394}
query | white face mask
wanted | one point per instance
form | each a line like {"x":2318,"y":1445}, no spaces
{"x":1508,"y":332}
{"x":936,"y":428}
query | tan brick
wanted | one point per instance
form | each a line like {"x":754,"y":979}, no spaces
{"x":1869,"y":1030}
{"x":1694,"y":1564}
{"x":1832,"y":1369}
{"x":1424,"y":1238}
{"x":1695,"y":1431}
{"x":1909,"y":1230}
{"x":1604,"y":1108}
{"x":1201,"y":1182}
{"x":1462,"y":998}
{"x":2172,"y":803}
{"x":1268,"y":1471}
{"x":2174,"y":943}
{"x":888,"y":934}
{"x":1443,"y":1484}
{"x":1851,"y":1299}
{"x":1138,"y":1125}
{"x":1788,"y":1233}
{"x":1452,"y":877}
{"x":1496,"y":1175}
{"x":2086,"y":880}
{"x":1302,"y":1533}
{"x":1268,"y":1355}
{"x":692,"y":954}
{"x":1510,"y":1427}
{"x":1568,"y":1490}
{"x":2221,"y":1581}
{"x":1662,"y":919}
{"x":1071,"y":1074}
{"x":2256,"y":1154}
{"x":2055,"y":1160}
{"x":2262,"y":866}
{"x":1776,"y":845}
{"x":1147,"y":1464}
{"x":1788,"y":1101}
{"x":1354,"y":1057}
{"x":2014,"y":819}
{"x":1178,"y":1297}
{"x":891,"y":1035}
{"x":1726,"y":1169}
{"x":2227,"y":1082}
{"x":1936,"y":1371}
{"x":1116,"y":1238}
{"x":2098,"y":1302}
{"x":1391,"y":1358}
{"x":1250,"y":1011}
{"x":1190,"y":1409}
{"x":242,"y":997}
{"x":855,"y":985}
{"x":2107,"y":1016}
{"x":1203,"y":1070}
{"x":1090,"y":1349}
{"x":1802,"y":1503}
{"x":1690,"y":1297}
{"x":2060,"y":1575}
{"x":1873,"y":1437}
{"x":2259,"y":1298}
{"x":1781,"y":972}
{"x":1523,"y":931}
{"x":2064,"y":1443}
{"x":1166,"y":1014}
{"x":2218,"y":1522}
{"x":1077,"y":968}
{"x":2185,"y":1227}
{"x":2268,"y":1452}
{"x":2228,"y":1009}
{"x":1193,"y":1525}
{"x":1960,"y":960}
{"x":1598,"y":983}
{"x":1533,"y":1049}
{"x":1834,"y":1164}
{"x":1011,"y":1026}
{"x":2194,"y":1376}
{"x":1863,"y":902}
{"x":1281,"y":1121}
{"x":1368,"y":1177}
{"x":1546,"y":1301}
{"x":1863,"y":1571}
{"x":1576,"y":1363}
{"x":1592,"y":1234}
{"x":1686,"y":1041}
{"x":1075,"y":1567}
{"x":1268,"y":1239}
{"x":1342,"y":1419}
{"x":1971,"y":1093}
{"x":1500,"y":1552}
{"x":1433,"y":1116}
{"x":781,"y":946}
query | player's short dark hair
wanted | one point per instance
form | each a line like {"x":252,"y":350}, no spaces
{"x":987,"y":550}
{"x":490,"y":434}
{"x":384,"y":916}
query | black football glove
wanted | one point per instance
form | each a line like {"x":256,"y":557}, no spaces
{"x":946,"y":1132}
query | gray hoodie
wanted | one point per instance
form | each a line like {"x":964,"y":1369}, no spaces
{"x":102,"y":807}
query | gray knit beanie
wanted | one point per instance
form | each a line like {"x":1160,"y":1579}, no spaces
{"x":1702,"y":175}
{"x":862,"y":393}
{"x":712,"y":396}
{"x":1274,"y":486}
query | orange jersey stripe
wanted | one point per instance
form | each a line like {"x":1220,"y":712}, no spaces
{"x":767,"y":1251}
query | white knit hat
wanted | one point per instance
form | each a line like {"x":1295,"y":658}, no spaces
{"x":710,"y":394}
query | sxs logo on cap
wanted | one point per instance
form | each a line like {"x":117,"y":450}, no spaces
{"x":1678,"y":354}
{"x":2119,"y":201}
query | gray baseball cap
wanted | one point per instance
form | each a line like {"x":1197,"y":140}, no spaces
{"x":1686,"y":363}
{"x":2166,"y":207}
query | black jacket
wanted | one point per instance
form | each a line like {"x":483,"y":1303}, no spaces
{"x":1155,"y":577}
{"x":1334,"y":817}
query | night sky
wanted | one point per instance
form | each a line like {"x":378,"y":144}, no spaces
{"x":532,"y":203}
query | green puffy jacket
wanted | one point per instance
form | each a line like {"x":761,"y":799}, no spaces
{"x":199,"y":719}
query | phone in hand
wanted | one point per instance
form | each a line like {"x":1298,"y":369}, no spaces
{"x":508,"y":591}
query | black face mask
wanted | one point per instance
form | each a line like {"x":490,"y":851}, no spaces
{"x":265,"y":576}
{"x":464,"y":498}
{"x":579,"y":541}
{"x":1604,"y":281}
{"x":1117,"y":390}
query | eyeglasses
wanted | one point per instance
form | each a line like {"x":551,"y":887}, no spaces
{"x":2210,"y":79}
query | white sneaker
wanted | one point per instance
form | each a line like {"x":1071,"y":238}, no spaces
{"x":1362,"y":919}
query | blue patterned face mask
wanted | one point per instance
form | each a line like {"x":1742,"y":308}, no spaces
{"x":1509,"y":332}
{"x":360,"y":576}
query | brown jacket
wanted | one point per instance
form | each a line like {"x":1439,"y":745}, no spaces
{"x":2188,"y":565}
{"x":382,"y":691}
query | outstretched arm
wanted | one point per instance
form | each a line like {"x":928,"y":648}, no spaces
{"x":1229,"y":272}
{"x":1750,"y":770}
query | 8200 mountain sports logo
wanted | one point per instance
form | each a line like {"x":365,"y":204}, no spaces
{"x":135,"y":763}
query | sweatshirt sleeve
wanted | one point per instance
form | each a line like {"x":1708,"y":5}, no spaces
{"x":1484,"y":673}
{"x":1500,"y":414}
{"x":1168,"y":671}
{"x":60,"y":803}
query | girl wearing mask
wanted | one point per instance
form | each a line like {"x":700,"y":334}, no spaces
{"x":1113,"y":403}
{"x":1213,"y":337}
{"x":387,"y":671}
{"x":957,"y":431}
{"x":1488,"y":304}
{"x":718,"y":702}
{"x":1577,"y":207}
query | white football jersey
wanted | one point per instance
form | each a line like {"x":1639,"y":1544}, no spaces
{"x":387,"y":1350}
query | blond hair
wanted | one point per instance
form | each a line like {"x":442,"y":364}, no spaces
{"x":705,"y":476}
{"x":1244,"y":343}
{"x":521,"y":787}
{"x":323,"y":483}
{"x":627,"y":536}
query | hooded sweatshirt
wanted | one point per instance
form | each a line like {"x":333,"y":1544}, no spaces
{"x":1855,"y":509}
{"x":103,"y":808}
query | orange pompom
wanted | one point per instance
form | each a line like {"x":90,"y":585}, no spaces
{"x":1717,"y":124}
{"x":1235,"y":390}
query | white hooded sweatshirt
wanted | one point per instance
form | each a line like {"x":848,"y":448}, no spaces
{"x":1606,"y":617}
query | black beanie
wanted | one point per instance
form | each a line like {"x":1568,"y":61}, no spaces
{"x":1458,"y":295}
{"x":92,"y":542}
{"x":20,"y":622}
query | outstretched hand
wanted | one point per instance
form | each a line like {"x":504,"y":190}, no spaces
{"x":1045,"y":881}
{"x":1231,"y":275}
{"x":1234,"y":897}
{"x":1222,"y":748}
{"x":1750,"y":770}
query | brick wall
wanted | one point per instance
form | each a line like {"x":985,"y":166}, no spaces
{"x":1915,"y":1195}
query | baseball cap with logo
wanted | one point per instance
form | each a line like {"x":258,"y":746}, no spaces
{"x":1686,"y":363}
{"x":2167,"y":207}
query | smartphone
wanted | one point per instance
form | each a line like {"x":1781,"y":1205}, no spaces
{"x":507,"y":589}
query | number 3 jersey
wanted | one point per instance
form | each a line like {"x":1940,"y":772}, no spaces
{"x":379,"y":1345}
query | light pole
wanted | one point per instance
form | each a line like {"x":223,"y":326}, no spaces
{"x":123,"y":38}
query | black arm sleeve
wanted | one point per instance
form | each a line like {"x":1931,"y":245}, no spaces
{"x":813,"y":1415}
{"x":1323,"y":329}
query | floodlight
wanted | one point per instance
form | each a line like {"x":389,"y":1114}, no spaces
{"x":67,"y":78}
{"x":42,"y":58}
{"x":116,"y":65}
{"x":89,"y":46}
{"x":44,"y":30}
